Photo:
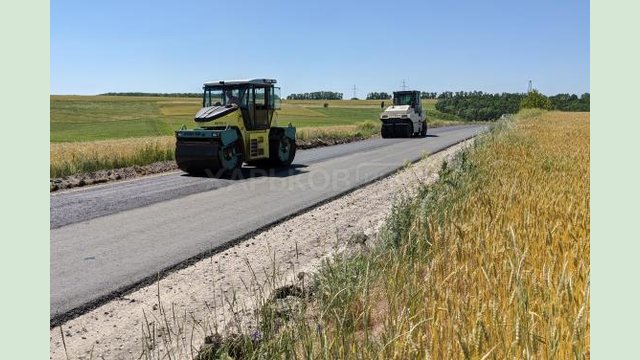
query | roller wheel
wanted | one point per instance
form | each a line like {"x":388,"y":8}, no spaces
{"x":282,"y":150}
{"x":230,"y":157}
{"x":423,"y":132}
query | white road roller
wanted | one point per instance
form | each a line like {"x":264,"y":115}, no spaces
{"x":405,"y":117}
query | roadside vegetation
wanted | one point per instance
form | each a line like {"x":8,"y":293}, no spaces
{"x":71,"y":158}
{"x":361,"y":130}
{"x":490,"y":262}
{"x":90,"y":133}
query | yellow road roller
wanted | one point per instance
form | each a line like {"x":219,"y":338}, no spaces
{"x":235,"y":127}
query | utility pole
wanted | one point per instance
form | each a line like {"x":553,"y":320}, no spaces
{"x":404,"y":85}
{"x":530,"y":87}
{"x":354,"y":91}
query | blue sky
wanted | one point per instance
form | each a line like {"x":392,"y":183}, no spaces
{"x":171,"y":46}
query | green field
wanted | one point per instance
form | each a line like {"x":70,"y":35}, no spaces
{"x":89,"y":118}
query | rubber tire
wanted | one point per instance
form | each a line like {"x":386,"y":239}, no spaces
{"x":274,"y":149}
{"x":223,"y":172}
{"x":409,"y":131}
{"x":238,"y":156}
{"x":384,"y":132}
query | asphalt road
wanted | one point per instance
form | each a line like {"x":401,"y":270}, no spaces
{"x":106,"y":238}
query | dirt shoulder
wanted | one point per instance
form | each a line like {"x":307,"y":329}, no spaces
{"x":221,"y":292}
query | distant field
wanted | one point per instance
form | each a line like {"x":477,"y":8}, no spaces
{"x":86,"y":118}
{"x":89,"y":118}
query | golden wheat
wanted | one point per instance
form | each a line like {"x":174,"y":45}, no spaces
{"x":508,"y":270}
{"x":72,"y":158}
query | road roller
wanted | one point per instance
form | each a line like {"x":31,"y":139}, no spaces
{"x":236,"y":127}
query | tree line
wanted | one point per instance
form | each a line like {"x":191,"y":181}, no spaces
{"x":469,"y":105}
{"x":571,"y":102}
{"x":378,"y":96}
{"x":316,"y":95}
{"x":476,"y":105}
{"x":428,"y":95}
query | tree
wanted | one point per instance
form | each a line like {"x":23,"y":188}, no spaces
{"x":536,"y":100}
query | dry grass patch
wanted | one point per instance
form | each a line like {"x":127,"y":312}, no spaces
{"x":326,"y":132}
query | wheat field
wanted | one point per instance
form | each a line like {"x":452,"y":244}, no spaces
{"x":508,"y":269}
{"x":81,"y":157}
{"x":491,"y":262}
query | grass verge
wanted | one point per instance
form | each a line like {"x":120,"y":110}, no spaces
{"x":71,"y":158}
{"x":83,"y":157}
{"x":364,"y":129}
{"x":492,"y":261}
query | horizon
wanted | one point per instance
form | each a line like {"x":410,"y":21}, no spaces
{"x":284,"y":97}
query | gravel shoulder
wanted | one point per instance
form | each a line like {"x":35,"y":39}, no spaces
{"x":221,"y":291}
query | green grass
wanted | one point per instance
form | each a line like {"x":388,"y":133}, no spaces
{"x":330,"y":116}
{"x":90,"y":118}
{"x":87,"y":118}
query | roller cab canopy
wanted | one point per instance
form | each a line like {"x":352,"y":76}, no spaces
{"x":264,"y":82}
{"x":255,"y":99}
{"x":408,"y":97}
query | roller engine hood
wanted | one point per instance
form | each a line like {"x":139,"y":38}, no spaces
{"x":211,"y":113}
